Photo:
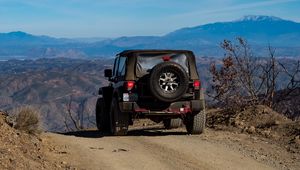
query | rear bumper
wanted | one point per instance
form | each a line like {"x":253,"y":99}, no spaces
{"x":175,"y":108}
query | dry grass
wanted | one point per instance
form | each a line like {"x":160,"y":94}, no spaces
{"x":27,"y":119}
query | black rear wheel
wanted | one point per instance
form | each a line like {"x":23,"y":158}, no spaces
{"x":102,"y":116}
{"x":195,"y":124}
{"x":119,"y":121}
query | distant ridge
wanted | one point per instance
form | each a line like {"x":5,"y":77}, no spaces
{"x":204,"y":40}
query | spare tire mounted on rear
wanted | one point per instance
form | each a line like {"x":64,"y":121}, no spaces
{"x":168,"y":81}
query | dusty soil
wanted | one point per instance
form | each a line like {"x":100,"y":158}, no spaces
{"x":261,"y":122}
{"x":156,"y":148}
{"x":231,"y":142}
{"x":20,"y":150}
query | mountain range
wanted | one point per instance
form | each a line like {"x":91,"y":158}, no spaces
{"x":204,"y":40}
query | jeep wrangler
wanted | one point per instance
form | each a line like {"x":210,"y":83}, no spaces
{"x":162,"y":85}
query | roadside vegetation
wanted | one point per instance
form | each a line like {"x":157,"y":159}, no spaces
{"x":25,"y":119}
{"x":243,"y":79}
{"x":256,"y":95}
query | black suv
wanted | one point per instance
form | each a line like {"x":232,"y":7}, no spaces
{"x":162,"y":85}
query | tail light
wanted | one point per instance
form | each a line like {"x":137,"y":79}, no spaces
{"x":166,"y":58}
{"x":197,"y":84}
{"x":129,"y":85}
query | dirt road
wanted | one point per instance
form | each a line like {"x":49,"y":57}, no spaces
{"x":149,"y":149}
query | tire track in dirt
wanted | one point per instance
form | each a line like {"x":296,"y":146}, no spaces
{"x":170,"y":156}
{"x":150,"y":152}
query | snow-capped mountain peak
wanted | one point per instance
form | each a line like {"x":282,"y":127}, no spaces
{"x":259,"y":18}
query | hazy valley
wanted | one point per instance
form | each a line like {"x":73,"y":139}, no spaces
{"x":55,"y":86}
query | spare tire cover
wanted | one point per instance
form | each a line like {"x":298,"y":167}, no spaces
{"x":168,"y":81}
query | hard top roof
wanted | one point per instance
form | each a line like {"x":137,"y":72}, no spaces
{"x":129,"y":52}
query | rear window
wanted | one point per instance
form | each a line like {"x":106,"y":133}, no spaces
{"x":145,"y":62}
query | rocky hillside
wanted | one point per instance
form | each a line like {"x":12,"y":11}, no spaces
{"x":54,"y":87}
{"x":260,"y":121}
{"x":19,"y":150}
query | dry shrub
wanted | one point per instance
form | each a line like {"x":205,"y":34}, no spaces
{"x":28,"y":120}
{"x":244,"y":80}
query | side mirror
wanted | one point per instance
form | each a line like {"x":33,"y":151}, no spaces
{"x":108,"y":73}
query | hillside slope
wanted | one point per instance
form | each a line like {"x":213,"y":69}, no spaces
{"x":19,"y":150}
{"x":53,"y":86}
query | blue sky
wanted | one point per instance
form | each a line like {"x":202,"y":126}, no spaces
{"x":113,"y":18}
